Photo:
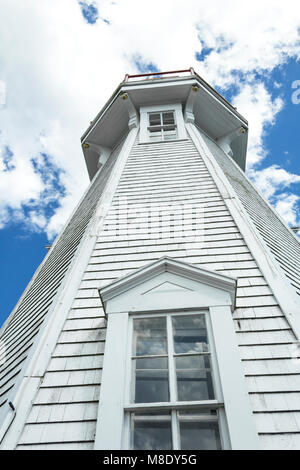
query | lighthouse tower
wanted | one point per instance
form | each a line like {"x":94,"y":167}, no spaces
{"x":166,"y":315}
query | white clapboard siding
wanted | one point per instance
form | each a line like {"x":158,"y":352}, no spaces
{"x":277,"y":401}
{"x":73,"y":377}
{"x":257,"y":312}
{"x":66,"y":412}
{"x":274,"y":383}
{"x":266,"y":351}
{"x":164,"y":177}
{"x":79,"y":336}
{"x":24,"y":323}
{"x":82,"y":431}
{"x":67,"y":394}
{"x":261,"y":324}
{"x":277,"y":236}
{"x":286,"y":441}
{"x":277,"y":422}
{"x":272,"y":366}
{"x":59,"y":446}
{"x":76,"y":363}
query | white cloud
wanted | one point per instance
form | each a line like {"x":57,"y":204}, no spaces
{"x":18,"y":186}
{"x":273,"y":182}
{"x":2,"y":93}
{"x":58,"y":71}
{"x":38,"y":220}
{"x":287,"y":206}
{"x":273,"y":178}
{"x":255,"y":102}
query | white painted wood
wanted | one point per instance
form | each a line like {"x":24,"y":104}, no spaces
{"x":231,"y":376}
{"x":47,"y":338}
{"x":225,"y":141}
{"x":275,"y":401}
{"x":68,"y":378}
{"x":144,"y":112}
{"x":237,"y":404}
{"x":82,"y":335}
{"x":58,"y":446}
{"x":70,"y":394}
{"x":111,"y":405}
{"x":164,"y":176}
{"x":36,"y":305}
{"x":56,"y":432}
{"x":271,"y":366}
{"x":78,"y":349}
{"x":289,"y":303}
{"x":71,"y":363}
{"x":189,"y":106}
{"x":274,"y":383}
{"x":79,"y":324}
{"x":133,"y":120}
{"x":185,"y":278}
{"x":281,"y":441}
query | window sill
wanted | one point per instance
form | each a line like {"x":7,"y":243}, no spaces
{"x":161,"y":141}
{"x":183,"y":405}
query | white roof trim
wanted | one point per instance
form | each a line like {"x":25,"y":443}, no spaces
{"x":167,"y":264}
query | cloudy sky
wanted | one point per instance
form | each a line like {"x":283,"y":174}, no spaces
{"x":60,"y":60}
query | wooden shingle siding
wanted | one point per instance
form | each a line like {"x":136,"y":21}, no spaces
{"x":286,"y":441}
{"x":68,"y":396}
{"x":59,"y":446}
{"x":165,"y":176}
{"x":282,"y":243}
{"x":67,"y":432}
{"x":276,"y":401}
{"x":66,"y":412}
{"x":268,"y":351}
{"x":23,"y":325}
{"x":69,"y":392}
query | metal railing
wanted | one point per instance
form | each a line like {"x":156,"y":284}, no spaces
{"x":151,"y":75}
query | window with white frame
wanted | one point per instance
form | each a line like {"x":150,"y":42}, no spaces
{"x":162,"y":126}
{"x":173,"y":390}
{"x":161,"y":123}
{"x":172,"y":376}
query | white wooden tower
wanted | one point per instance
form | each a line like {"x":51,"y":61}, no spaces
{"x":166,"y":315}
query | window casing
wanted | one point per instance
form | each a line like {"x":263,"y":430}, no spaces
{"x":174,"y":392}
{"x":161,"y":123}
{"x":169,"y":289}
{"x":162,"y":126}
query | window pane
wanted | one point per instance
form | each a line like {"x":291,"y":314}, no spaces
{"x":152,"y":432}
{"x":194,"y":380}
{"x":168,"y":118}
{"x":199,"y":431}
{"x":150,"y":336}
{"x":154,"y":119}
{"x":151,"y":380}
{"x":190,"y":334}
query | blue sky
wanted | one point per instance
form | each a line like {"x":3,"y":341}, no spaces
{"x":60,"y":60}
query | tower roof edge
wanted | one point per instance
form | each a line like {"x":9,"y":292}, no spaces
{"x":213,"y":113}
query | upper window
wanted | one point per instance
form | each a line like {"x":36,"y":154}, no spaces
{"x":162,"y":123}
{"x":162,"y":126}
{"x":171,"y":365}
